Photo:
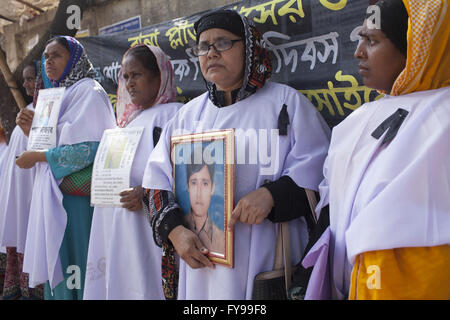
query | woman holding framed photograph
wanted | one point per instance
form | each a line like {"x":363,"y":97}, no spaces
{"x":236,"y":68}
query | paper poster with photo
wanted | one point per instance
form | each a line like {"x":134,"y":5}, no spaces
{"x":112,"y":165}
{"x":45,"y":121}
{"x":203,"y":170}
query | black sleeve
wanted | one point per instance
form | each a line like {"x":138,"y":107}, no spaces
{"x":290,"y":201}
{"x":170,"y":221}
{"x":164,"y":214}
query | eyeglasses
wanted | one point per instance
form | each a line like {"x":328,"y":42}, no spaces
{"x":220,"y":45}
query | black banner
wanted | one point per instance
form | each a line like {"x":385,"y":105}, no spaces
{"x":311,"y":41}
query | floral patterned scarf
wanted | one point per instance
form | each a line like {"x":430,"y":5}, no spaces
{"x":258,"y":65}
{"x":78,"y":66}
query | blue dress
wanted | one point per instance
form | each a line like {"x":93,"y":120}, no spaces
{"x":63,"y":161}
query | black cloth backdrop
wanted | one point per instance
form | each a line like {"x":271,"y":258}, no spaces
{"x":311,"y":42}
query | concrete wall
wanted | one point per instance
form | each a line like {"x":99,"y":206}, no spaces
{"x":106,"y":13}
{"x":17,"y":36}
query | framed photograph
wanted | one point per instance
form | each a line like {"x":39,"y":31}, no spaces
{"x":203,"y":172}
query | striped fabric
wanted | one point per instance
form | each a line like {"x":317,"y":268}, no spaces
{"x":162,"y":202}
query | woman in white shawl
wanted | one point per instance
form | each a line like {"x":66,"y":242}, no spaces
{"x":60,"y":216}
{"x":123,"y":260}
{"x":236,"y":68}
{"x":387,"y":174}
{"x":15,"y":198}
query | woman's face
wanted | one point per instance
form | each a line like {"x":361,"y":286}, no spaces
{"x":141,"y":83}
{"x":224,"y":69}
{"x":29,"y":80}
{"x":380,"y":62}
{"x":56,"y":58}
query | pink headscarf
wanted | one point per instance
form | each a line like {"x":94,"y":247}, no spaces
{"x":126,"y":110}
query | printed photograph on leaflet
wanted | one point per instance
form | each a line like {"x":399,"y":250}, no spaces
{"x":112,"y":165}
{"x":45,"y":122}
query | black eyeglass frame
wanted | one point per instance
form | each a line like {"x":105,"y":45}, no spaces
{"x":195,"y":48}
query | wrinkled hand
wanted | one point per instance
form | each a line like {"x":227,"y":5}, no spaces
{"x":253,"y":208}
{"x":24,"y":120}
{"x":190,"y":248}
{"x":28,"y":159}
{"x":131,"y":199}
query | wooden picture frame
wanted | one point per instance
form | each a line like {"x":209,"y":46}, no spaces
{"x":203,"y":184}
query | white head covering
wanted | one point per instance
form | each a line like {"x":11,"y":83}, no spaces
{"x":15,"y":193}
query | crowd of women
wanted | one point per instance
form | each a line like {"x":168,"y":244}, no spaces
{"x":383,"y":174}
